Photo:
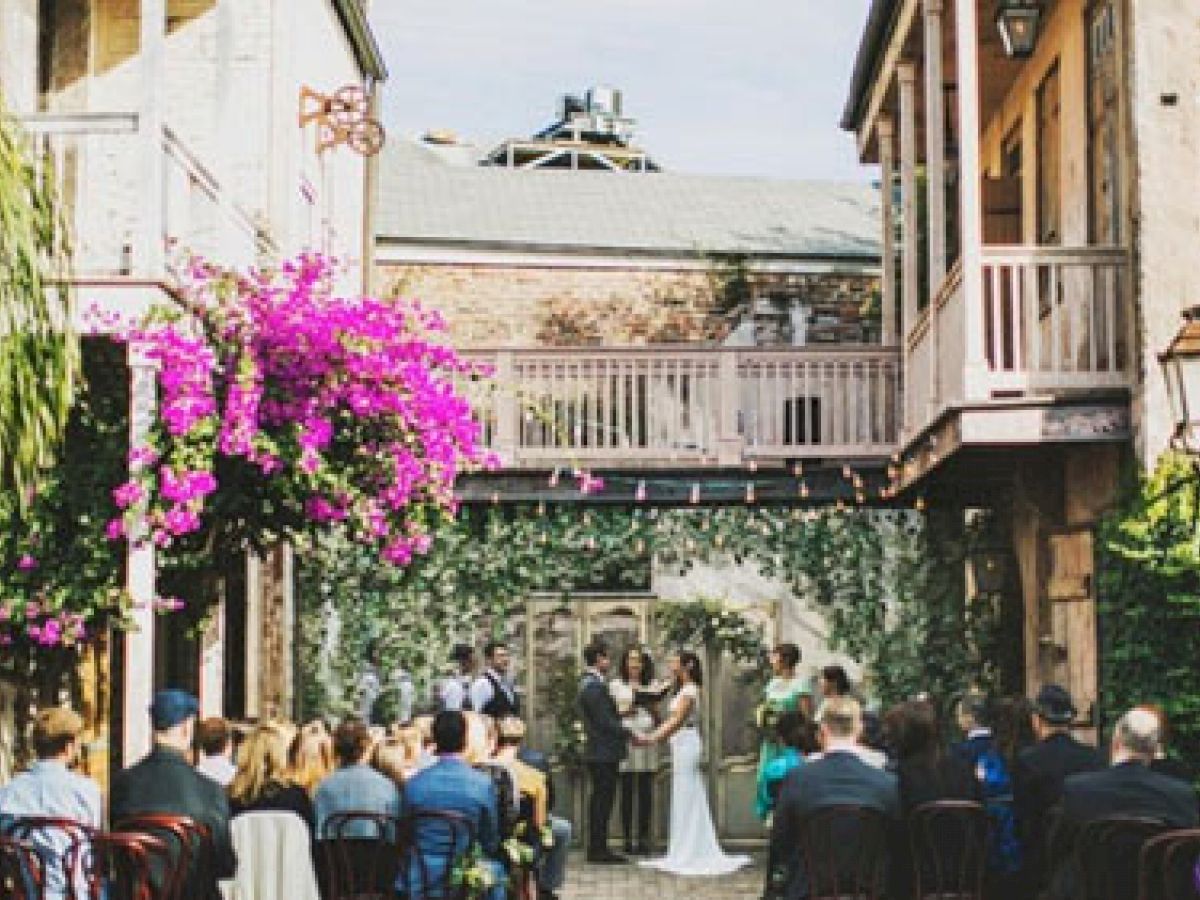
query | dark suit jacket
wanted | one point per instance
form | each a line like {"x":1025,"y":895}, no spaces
{"x":1038,"y":776}
{"x":948,"y":779}
{"x":1128,"y":789}
{"x":838,"y":779}
{"x":607,"y":739}
{"x":164,"y":782}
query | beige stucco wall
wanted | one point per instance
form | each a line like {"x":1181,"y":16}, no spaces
{"x":1164,"y":58}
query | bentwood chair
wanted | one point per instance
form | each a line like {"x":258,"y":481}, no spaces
{"x":190,"y":846}
{"x":53,"y":837}
{"x":949,"y":845}
{"x":433,"y":845}
{"x":22,"y":875}
{"x":118,"y":866}
{"x":846,"y":853}
{"x":1108,"y":854}
{"x":358,"y":856}
{"x":1170,"y":866}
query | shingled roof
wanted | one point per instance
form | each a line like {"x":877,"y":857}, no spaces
{"x":426,"y":200}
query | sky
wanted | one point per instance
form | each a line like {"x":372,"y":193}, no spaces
{"x":754,"y":87}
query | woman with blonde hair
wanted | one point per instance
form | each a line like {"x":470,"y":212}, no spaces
{"x":262,"y":783}
{"x":398,"y":755}
{"x":310,"y":758}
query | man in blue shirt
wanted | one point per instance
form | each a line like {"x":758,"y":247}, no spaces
{"x":51,"y":789}
{"x":450,"y":785}
{"x":354,"y":786}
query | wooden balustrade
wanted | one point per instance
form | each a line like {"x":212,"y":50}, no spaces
{"x":688,"y":406}
{"x":1054,"y":319}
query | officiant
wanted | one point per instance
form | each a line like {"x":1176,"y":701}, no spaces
{"x":638,"y":697}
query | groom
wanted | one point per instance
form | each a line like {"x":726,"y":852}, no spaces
{"x":606,"y":747}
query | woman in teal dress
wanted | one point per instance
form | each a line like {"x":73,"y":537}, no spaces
{"x":786,"y":692}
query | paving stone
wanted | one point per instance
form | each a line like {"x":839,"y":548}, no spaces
{"x":630,"y":882}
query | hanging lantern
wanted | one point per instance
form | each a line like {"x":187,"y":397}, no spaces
{"x":1018,"y":21}
{"x":1180,"y":364}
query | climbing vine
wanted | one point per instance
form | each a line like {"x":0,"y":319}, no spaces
{"x":1148,"y":581}
{"x":889,"y":583}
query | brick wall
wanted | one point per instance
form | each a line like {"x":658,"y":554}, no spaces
{"x":528,"y":305}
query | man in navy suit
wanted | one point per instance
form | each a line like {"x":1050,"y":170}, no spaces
{"x":838,"y":777}
{"x":607,"y":744}
{"x":450,"y":785}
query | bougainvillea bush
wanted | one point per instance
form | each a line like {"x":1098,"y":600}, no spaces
{"x":283,"y":411}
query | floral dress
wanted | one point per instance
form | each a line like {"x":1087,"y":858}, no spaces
{"x":781,"y":696}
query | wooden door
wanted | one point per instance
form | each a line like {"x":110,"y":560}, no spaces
{"x":1103,"y":133}
{"x":1070,"y":651}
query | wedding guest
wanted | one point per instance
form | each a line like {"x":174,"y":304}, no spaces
{"x":261,"y":783}
{"x":553,"y":873}
{"x":310,"y":756}
{"x":1165,"y":761}
{"x":454,"y":691}
{"x":786,"y":692}
{"x":214,"y":743}
{"x":1040,"y":771}
{"x":924,"y":773}
{"x":354,"y":786}
{"x":451,"y":785}
{"x":795,"y":738}
{"x":492,"y":693}
{"x":50,"y":789}
{"x":834,"y":682}
{"x":165,"y":782}
{"x":839,"y":777}
{"x":637,"y":700}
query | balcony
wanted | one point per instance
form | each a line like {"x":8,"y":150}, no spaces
{"x":98,"y":162}
{"x":1050,"y":322}
{"x":689,"y":407}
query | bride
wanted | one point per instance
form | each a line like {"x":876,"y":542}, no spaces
{"x":692,"y":848}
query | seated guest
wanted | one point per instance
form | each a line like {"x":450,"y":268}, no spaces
{"x":529,"y":781}
{"x":310,"y":757}
{"x":395,"y":757}
{"x":924,"y":774}
{"x":793,"y":733}
{"x":214,"y":743}
{"x":452,"y":785}
{"x":553,"y":874}
{"x":1129,"y":787}
{"x":261,"y":783}
{"x":51,"y":789}
{"x":973,"y":715}
{"x":165,"y":782}
{"x":354,"y":786}
{"x":839,"y":777}
{"x":1165,"y":761}
{"x":1040,"y":771}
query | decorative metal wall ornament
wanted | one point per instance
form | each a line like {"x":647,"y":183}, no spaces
{"x":342,"y":118}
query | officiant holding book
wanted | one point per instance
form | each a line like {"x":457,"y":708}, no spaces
{"x":638,"y":696}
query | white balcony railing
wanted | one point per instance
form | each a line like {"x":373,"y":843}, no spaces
{"x":97,"y":163}
{"x":1053,"y":319}
{"x":687,"y":406}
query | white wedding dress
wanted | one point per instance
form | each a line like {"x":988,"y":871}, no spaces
{"x":692,"y":848}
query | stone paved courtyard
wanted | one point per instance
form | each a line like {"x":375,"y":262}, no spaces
{"x":631,"y":882}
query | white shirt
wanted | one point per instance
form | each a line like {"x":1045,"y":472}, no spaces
{"x":218,"y":768}
{"x":452,"y":692}
{"x":482,"y":690}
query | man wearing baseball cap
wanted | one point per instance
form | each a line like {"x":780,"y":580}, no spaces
{"x":51,"y":789}
{"x":165,"y":782}
{"x":1040,"y":771}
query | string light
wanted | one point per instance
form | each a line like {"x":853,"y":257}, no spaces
{"x":553,"y":481}
{"x":841,"y":505}
{"x":798,"y":469}
{"x":919,"y":505}
{"x":752,"y":465}
{"x":590,"y":543}
{"x":640,"y":494}
{"x":495,"y":498}
{"x":803,"y":491}
{"x":541,"y":508}
{"x":640,"y":547}
{"x":694,"y":498}
{"x":749,"y":491}
{"x":846,"y":472}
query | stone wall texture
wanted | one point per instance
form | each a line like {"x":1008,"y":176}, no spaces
{"x":488,"y":305}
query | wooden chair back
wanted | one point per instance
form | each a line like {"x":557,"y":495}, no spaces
{"x":1170,"y":866}
{"x":846,"y":852}
{"x":359,"y":858}
{"x":949,"y":843}
{"x":22,"y":874}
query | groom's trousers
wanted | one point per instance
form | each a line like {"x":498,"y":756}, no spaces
{"x":604,"y":793}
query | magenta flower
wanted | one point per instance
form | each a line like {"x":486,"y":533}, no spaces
{"x":128,"y":494}
{"x":115,"y":529}
{"x":27,"y":563}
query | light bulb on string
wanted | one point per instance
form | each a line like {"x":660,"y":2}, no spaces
{"x":694,"y":497}
{"x":752,"y":465}
{"x":495,"y":498}
{"x":640,"y":494}
{"x":590,"y":543}
{"x":798,"y":469}
{"x":841,"y":505}
{"x":750,"y":492}
{"x":553,"y":480}
{"x":860,"y":498}
{"x":803,"y":491}
{"x":846,"y":472}
{"x":919,"y":504}
{"x":541,"y":508}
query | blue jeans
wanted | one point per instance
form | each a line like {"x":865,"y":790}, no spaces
{"x":554,"y":867}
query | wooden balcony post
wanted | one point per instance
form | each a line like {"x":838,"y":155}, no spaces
{"x":935,"y":142}
{"x":975,"y":372}
{"x":906,"y":76}
{"x":889,"y":311}
{"x":507,"y":408}
{"x":731,"y":443}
